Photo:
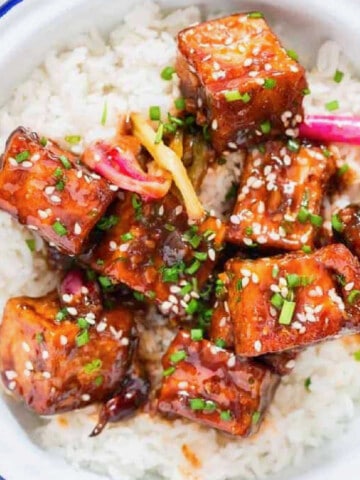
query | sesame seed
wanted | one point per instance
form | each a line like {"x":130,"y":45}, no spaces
{"x":55,"y":199}
{"x":178,"y":210}
{"x":10,"y":374}
{"x":173,"y":299}
{"x":245,"y":282}
{"x":72,"y":311}
{"x":257,"y":346}
{"x":85,"y":397}
{"x":248,"y":241}
{"x":184,"y":384}
{"x":33,"y":227}
{"x":49,"y":190}
{"x":12,"y":385}
{"x":124,"y":341}
{"x":114,"y":188}
{"x":25,"y":347}
{"x":45,"y":355}
{"x":46,"y":375}
{"x":267,"y":67}
{"x":161,"y":210}
{"x":212,"y":254}
{"x":261,"y":207}
{"x":101,"y":326}
{"x":245,"y":272}
{"x":27,"y":372}
{"x":77,"y":229}
{"x":113,"y":245}
{"x":231,"y":361}
{"x":235,"y":219}
{"x":29,"y":365}
{"x":43,"y":214}
{"x":124,"y":247}
{"x":214,"y":124}
{"x":63,"y":340}
{"x":67,"y":297}
{"x":232,"y":145}
{"x":248,"y":62}
{"x":349,"y":286}
{"x":255,"y":278}
{"x":26,"y":164}
{"x":290,"y":364}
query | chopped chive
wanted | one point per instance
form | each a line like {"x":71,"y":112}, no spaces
{"x":255,"y":417}
{"x":316,"y":220}
{"x":306,"y":248}
{"x":180,"y":103}
{"x":99,"y":380}
{"x":202,"y":256}
{"x":22,"y":156}
{"x":178,"y":356}
{"x":219,"y":342}
{"x":93,"y":366}
{"x":192,"y":307}
{"x":189,"y":120}
{"x":105,"y":223}
{"x":73,"y":139}
{"x":159,"y":134}
{"x":336,"y":223}
{"x":167,"y":73}
{"x":234,"y":95}
{"x":197,"y":403}
{"x":293,"y":55}
{"x":196,"y":334}
{"x":193,"y":268}
{"x":65,"y":161}
{"x":139,"y":296}
{"x":126,"y":237}
{"x":239,"y":285}
{"x":269,"y":83}
{"x":275,"y":271}
{"x":265,"y":127}
{"x":58,"y":172}
{"x":341,"y":280}
{"x":262,"y":148}
{"x":105,"y":282}
{"x":287,"y":312}
{"x":104,"y":114}
{"x":293,"y":145}
{"x":59,"y":228}
{"x":307,"y":383}
{"x":357,"y":355}
{"x":206,"y":133}
{"x":210,"y":406}
{"x":255,"y":15}
{"x":155,"y":113}
{"x":30,"y":242}
{"x":169,"y":227}
{"x":331,"y":106}
{"x":83,"y":323}
{"x":338,"y":76}
{"x":277,"y":300}
{"x":186,"y":289}
{"x":61,"y":315}
{"x":326,"y":152}
{"x":248,"y":231}
{"x":225,"y":415}
{"x":169,"y":371}
{"x":82,"y":338}
{"x":99,"y":261}
{"x":294,"y":280}
{"x":303,"y":215}
{"x":306,"y":91}
{"x":60,"y":185}
{"x":151,"y":294}
{"x":343,"y":169}
{"x":221,"y":161}
{"x":39,"y":337}
{"x":176,"y":120}
{"x":43,"y":141}
{"x":353,"y":296}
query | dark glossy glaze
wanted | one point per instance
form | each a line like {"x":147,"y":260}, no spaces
{"x":234,"y":385}
{"x":217,"y":56}
{"x":28,"y":192}
{"x":350,"y":230}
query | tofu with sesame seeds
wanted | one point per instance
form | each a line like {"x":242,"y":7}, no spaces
{"x":155,"y":250}
{"x":55,"y":362}
{"x":239,"y":79}
{"x":346,"y":227}
{"x":211,"y":386}
{"x":45,"y":189}
{"x":296,"y":299}
{"x":279,"y":198}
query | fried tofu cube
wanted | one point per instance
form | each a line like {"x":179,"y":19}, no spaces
{"x":280,"y":193}
{"x":289,"y":301}
{"x":60,"y":365}
{"x":154,"y":249}
{"x":47,"y":191}
{"x":240,"y":80}
{"x":211,"y":386}
{"x":346,"y":227}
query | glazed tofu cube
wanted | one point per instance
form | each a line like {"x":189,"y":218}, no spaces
{"x":280,"y":194}
{"x":154,"y":249}
{"x":55,"y":363}
{"x":47,"y":191}
{"x":214,"y":387}
{"x":346,"y":227}
{"x":284,"y":302}
{"x":240,"y":80}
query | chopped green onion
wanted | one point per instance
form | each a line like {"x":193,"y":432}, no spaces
{"x":338,"y":76}
{"x":197,"y":403}
{"x":39,"y":337}
{"x":202,"y":256}
{"x":248,"y":231}
{"x":307,"y":383}
{"x":210,"y":406}
{"x":151,"y":294}
{"x":159,"y":134}
{"x":293,"y":145}
{"x":58,"y":172}
{"x":192,"y":307}
{"x":341,"y":280}
{"x":306,"y":91}
{"x":93,"y":366}
{"x":306,"y":248}
{"x":353,"y":296}
{"x":126,"y":237}
{"x":167,"y":73}
{"x":196,"y":334}
{"x":82,"y":338}
{"x":180,"y":103}
{"x":277,"y":300}
{"x":61,"y":315}
{"x":331,"y":106}
{"x":234,"y":95}
{"x":343,"y":169}
{"x":239,"y":285}
{"x":269,"y":83}
{"x":73,"y":139}
{"x":104,"y":114}
{"x":43,"y":141}
{"x":193,"y":268}
{"x":326,"y":152}
{"x":105,"y":223}
{"x":22,"y":156}
{"x":60,"y":185}
{"x":262,"y":148}
{"x":30,"y":242}
{"x":293,"y":55}
{"x":255,"y":417}
{"x":294,"y":280}
{"x":303,"y":215}
{"x":155,"y":113}
{"x":287,"y":312}
{"x":169,"y":227}
{"x":336,"y":223}
{"x":178,"y":356}
{"x":105,"y":282}
{"x":139,"y":296}
{"x":225,"y":415}
{"x":265,"y":127}
{"x":316,"y":220}
{"x":219,"y":342}
{"x":65,"y":161}
{"x":275,"y":271}
{"x":83,"y":323}
{"x":59,"y":228}
{"x":99,"y":381}
{"x":169,"y":371}
{"x":255,"y":15}
{"x":357,"y":355}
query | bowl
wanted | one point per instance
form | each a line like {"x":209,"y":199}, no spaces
{"x":29,"y":29}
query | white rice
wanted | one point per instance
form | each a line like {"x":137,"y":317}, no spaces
{"x":66,"y":96}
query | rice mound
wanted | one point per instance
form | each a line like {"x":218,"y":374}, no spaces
{"x":66,"y":96}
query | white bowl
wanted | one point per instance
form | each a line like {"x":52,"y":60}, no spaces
{"x":27,"y":31}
